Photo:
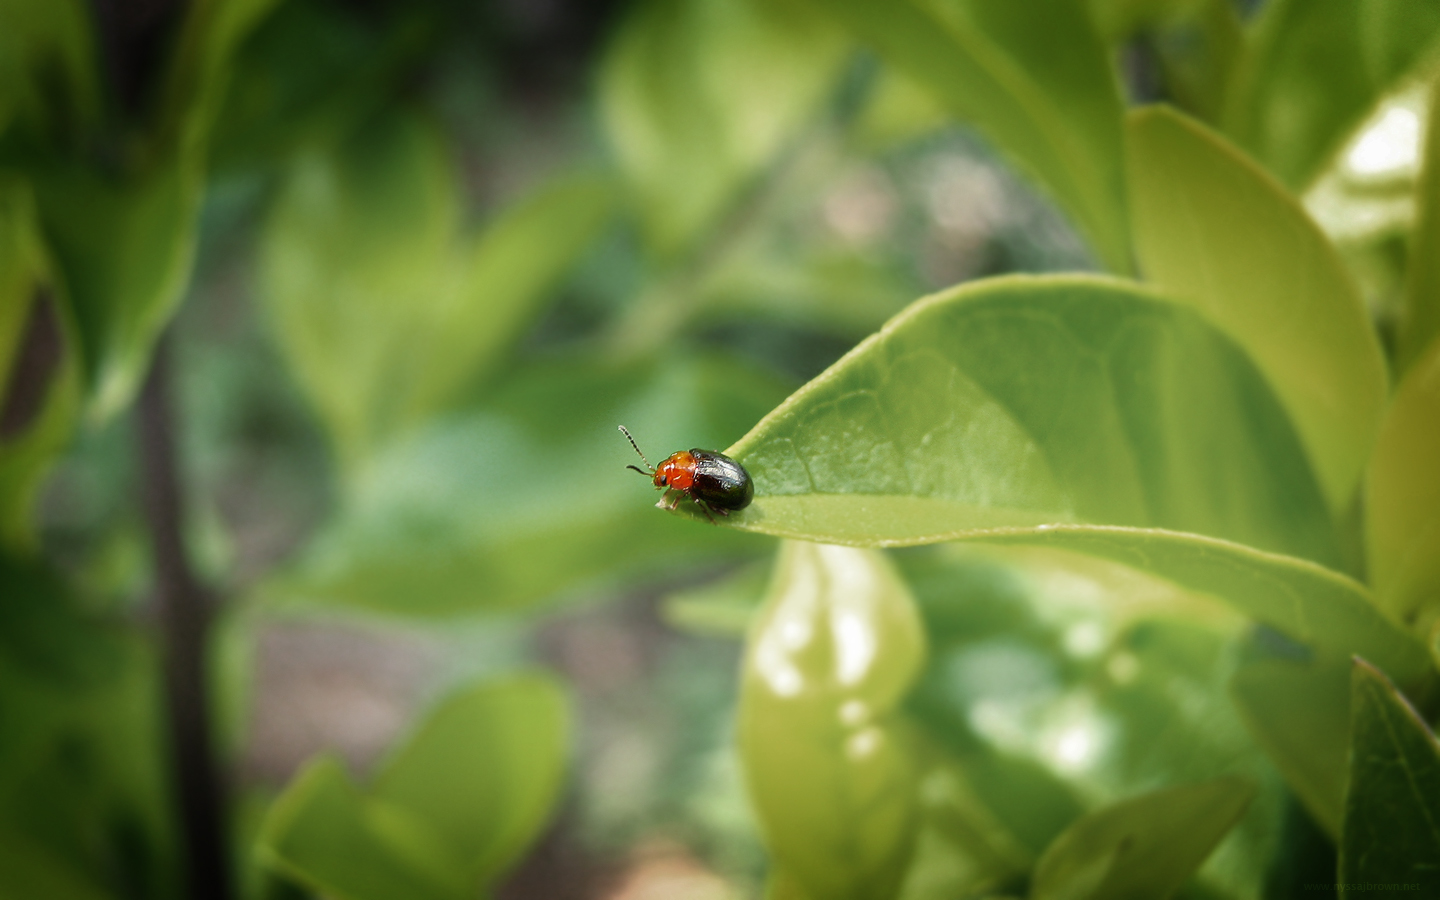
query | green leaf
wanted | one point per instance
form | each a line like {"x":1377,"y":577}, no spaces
{"x":1145,"y":847}
{"x":484,"y":770}
{"x":698,"y":97}
{"x":1392,"y":805}
{"x":125,"y":235}
{"x":1311,"y":604}
{"x":1218,"y":233}
{"x":827,"y":763}
{"x":1024,"y":401}
{"x":325,"y":834}
{"x":448,"y":813}
{"x":383,"y":309}
{"x":125,"y":246}
{"x":724,"y":607}
{"x":1419,"y":325}
{"x":1299,"y":713}
{"x":39,"y":366}
{"x":82,"y":771}
{"x":1061,"y":682}
{"x":29,"y":870}
{"x":526,"y":495}
{"x":1035,"y":78}
{"x":47,"y":67}
{"x":1403,"y":494}
{"x":1313,"y":71}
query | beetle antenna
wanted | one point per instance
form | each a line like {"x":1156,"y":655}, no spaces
{"x":626,"y":432}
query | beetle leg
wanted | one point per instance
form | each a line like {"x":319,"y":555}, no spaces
{"x":705,"y":508}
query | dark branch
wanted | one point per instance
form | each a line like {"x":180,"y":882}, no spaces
{"x":183,"y":607}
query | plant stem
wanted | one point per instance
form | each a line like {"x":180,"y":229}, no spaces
{"x":183,"y":608}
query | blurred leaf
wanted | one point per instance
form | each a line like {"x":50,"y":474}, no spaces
{"x":1218,"y":233}
{"x":1143,"y":848}
{"x":449,"y":812}
{"x":1419,"y":325}
{"x":484,"y":770}
{"x":962,"y":847}
{"x":47,"y":68}
{"x":1035,"y":78}
{"x":39,"y":365}
{"x":1403,"y":498}
{"x":1026,"y":401}
{"x":327,"y":835}
{"x":1392,"y":805}
{"x":1074,"y":682}
{"x":724,"y":607}
{"x":527,"y":494}
{"x":200,"y":68}
{"x":28,"y":870}
{"x":125,"y":235}
{"x":82,"y":775}
{"x":698,"y":97}
{"x":1311,"y":604}
{"x":826,"y":758}
{"x":1313,"y":71}
{"x":1299,"y":713}
{"x":384,"y":310}
{"x":898,"y":110}
{"x":125,"y":246}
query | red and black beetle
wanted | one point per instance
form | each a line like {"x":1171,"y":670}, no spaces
{"x":717,"y":483}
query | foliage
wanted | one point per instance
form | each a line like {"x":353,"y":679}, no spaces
{"x":1088,"y":585}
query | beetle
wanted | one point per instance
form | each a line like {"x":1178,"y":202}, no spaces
{"x":717,"y":483}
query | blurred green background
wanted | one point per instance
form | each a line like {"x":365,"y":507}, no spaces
{"x":318,"y":318}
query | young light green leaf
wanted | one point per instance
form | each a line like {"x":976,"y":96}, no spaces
{"x":383,"y":309}
{"x":1391,"y":832}
{"x":506,"y":503}
{"x":1143,"y":848}
{"x":1403,"y":494}
{"x":1215,"y":231}
{"x":447,"y":814}
{"x":1033,"y":77}
{"x":39,"y":363}
{"x":1419,"y":325}
{"x":1030,"y":400}
{"x":698,"y":97}
{"x":484,"y":770}
{"x":1313,"y":71}
{"x":826,"y":760}
{"x":1298,"y":711}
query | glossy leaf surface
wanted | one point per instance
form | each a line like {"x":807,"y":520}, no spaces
{"x":448,"y":813}
{"x":506,"y":503}
{"x":1218,"y":233}
{"x":1035,"y":78}
{"x":1312,"y":72}
{"x":1143,"y":848}
{"x":1024,"y":401}
{"x":832,"y":778}
{"x":1403,"y":509}
{"x":698,"y":97}
{"x":1392,"y":805}
{"x":383,"y":308}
